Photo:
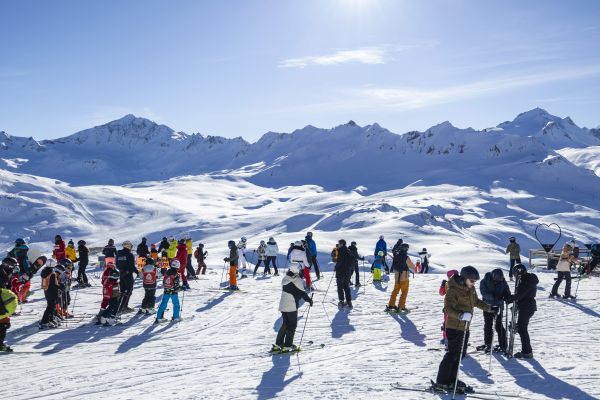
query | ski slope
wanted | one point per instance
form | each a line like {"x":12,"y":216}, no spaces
{"x":222,"y":351}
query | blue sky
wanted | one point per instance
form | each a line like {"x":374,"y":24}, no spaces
{"x":242,"y":68}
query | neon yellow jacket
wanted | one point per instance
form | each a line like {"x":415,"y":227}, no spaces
{"x":70,"y":253}
{"x":190,"y":246}
{"x":172,"y":252}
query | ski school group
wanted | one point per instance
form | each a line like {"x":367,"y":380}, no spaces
{"x":172,"y":259}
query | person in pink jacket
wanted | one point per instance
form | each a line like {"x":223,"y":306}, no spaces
{"x":182,"y":256}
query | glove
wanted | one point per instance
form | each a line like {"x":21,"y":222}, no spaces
{"x":495,"y":309}
{"x":443,"y":283}
{"x":226,"y":259}
{"x":465,"y":316}
{"x":24,"y":278}
{"x":310,"y":302}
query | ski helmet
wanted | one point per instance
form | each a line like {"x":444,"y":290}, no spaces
{"x":201,"y":245}
{"x":404,"y":246}
{"x":271,"y":239}
{"x":57,"y":237}
{"x":81,"y":243}
{"x":497,"y":275}
{"x":309,"y":234}
{"x":424,"y":250}
{"x":231,"y":244}
{"x":181,"y":241}
{"x":175,"y":264}
{"x":19,"y":241}
{"x":519,"y":269}
{"x":294,"y":268}
{"x":127,"y":245}
{"x":149,"y":268}
{"x":342,"y":242}
{"x":111,"y":242}
{"x":380,"y":237}
{"x":71,"y":243}
{"x":451,"y":273}
{"x":65,"y":262}
{"x":113,"y":275}
{"x":149,"y":261}
{"x":262,"y":242}
{"x":244,"y":239}
{"x":381,"y":253}
{"x":353,"y":243}
{"x":10,"y":261}
{"x":144,"y":239}
{"x":512,"y":239}
{"x":469,"y":272}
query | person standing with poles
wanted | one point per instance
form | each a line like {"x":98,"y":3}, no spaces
{"x":343,"y":274}
{"x":355,"y":257}
{"x":524,"y":298}
{"x":271,"y":253}
{"x":461,"y":298}
{"x":495,"y":291}
{"x":126,"y":267}
{"x":514,"y":251}
{"x":292,"y":292}
{"x":312,"y":249}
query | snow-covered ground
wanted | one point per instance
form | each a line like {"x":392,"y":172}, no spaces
{"x":222,"y":351}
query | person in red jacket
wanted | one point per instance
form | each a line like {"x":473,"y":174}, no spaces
{"x":182,"y":258}
{"x":110,"y":266}
{"x":111,"y":295}
{"x":59,"y":249}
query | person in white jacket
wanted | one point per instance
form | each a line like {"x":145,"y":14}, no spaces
{"x":242,"y":253}
{"x":272,"y":252}
{"x":292,"y":292}
{"x":298,"y":257}
{"x":563,"y":270}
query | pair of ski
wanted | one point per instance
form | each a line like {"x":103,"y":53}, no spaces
{"x":483,"y":395}
{"x":309,"y":346}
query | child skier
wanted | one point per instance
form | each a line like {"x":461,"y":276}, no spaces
{"x":163,"y":263}
{"x":59,"y":249}
{"x":262,"y":258}
{"x":149,"y":281}
{"x":181,"y":256}
{"x":154,"y":253}
{"x":172,"y":250}
{"x":200,"y":256}
{"x":70,"y":252}
{"x":443,"y":291}
{"x":232,"y":260}
{"x":111,"y":295}
{"x":378,"y":265}
{"x":65,"y":280}
{"x":110,"y":267}
{"x":292,"y":292}
{"x":8,"y":305}
{"x":171,"y":289}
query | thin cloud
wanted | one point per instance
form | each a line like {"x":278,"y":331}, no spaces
{"x":364,"y":55}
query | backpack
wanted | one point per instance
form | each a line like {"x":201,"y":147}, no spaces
{"x":334,"y":254}
{"x":595,"y":250}
{"x":196,"y":254}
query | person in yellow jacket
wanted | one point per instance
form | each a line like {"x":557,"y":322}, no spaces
{"x":172,"y":251}
{"x":70,"y":252}
{"x":190,"y":251}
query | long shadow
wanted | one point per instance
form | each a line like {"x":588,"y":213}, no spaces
{"x":340,"y":325}
{"x":580,"y":307}
{"x":544,"y":383}
{"x":23,"y":332}
{"x":273,"y":381}
{"x":379,"y":286}
{"x":214,"y":302}
{"x":409,"y":331}
{"x":143,"y":337}
{"x":471,"y":367}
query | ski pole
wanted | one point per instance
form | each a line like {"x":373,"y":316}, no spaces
{"x":74,"y":301}
{"x":577,"y":288}
{"x":364,"y":277}
{"x":462,"y":347}
{"x":492,"y":344}
{"x":327,"y":291}
{"x":181,"y":311}
{"x":305,"y":321}
{"x":222,"y":273}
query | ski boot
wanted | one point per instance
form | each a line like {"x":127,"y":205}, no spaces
{"x":290,"y":349}
{"x":463,"y":388}
{"x":275,"y":349}
{"x":173,"y":319}
{"x":440,"y":387}
{"x":349,"y":305}
{"x":358,"y":285}
{"x":141,"y":311}
{"x":150,"y":311}
{"x":554,"y":295}
{"x":520,"y":355}
{"x":391,"y":309}
{"x":569,"y":297}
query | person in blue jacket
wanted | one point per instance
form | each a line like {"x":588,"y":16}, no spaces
{"x":494,"y":291}
{"x":382,"y":246}
{"x":312,"y":248}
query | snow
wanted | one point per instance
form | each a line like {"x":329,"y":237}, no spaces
{"x":221,"y":353}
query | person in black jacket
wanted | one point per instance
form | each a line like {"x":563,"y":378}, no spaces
{"x":524,"y":297}
{"x":82,"y":279}
{"x":110,"y":250}
{"x":355,"y":257}
{"x":126,"y":267}
{"x":494,"y":291}
{"x":164,"y":245}
{"x":343,"y":273}
{"x":142,"y":249}
{"x":6,"y":271}
{"x":51,"y":287}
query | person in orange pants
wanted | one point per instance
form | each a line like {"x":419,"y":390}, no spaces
{"x":402,"y":266}
{"x":232,"y":260}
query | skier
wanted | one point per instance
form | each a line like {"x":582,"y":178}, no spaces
{"x":460,"y":300}
{"x":424,"y":255}
{"x":524,"y":297}
{"x":19,"y":252}
{"x":59,"y":248}
{"x":65,"y":269}
{"x":298,"y":258}
{"x":272,"y":251}
{"x":110,"y":267}
{"x":181,"y":256}
{"x":514,"y":251}
{"x":126,"y":266}
{"x":142,"y":248}
{"x":355,"y":257}
{"x":50,"y":285}
{"x":110,"y":251}
{"x":153,"y":253}
{"x":163,"y":263}
{"x":495,"y":291}
{"x":402,"y":266}
{"x":261,"y":251}
{"x":200,"y":255}
{"x":382,"y":246}
{"x":82,"y":279}
{"x":70,"y":252}
{"x":8,"y":305}
{"x":6,"y":270}
{"x":242,"y":255}
{"x":190,"y":251}
{"x":595,"y":254}
{"x":232,"y":260}
{"x":312,"y":247}
{"x":291,"y":294}
{"x":149,"y":282}
{"x":172,"y":250}
{"x":171,"y":290}
{"x":164,"y":245}
{"x":20,"y":284}
{"x":563,"y":270}
{"x":343,"y":273}
{"x":443,"y":291}
{"x":112,"y":297}
{"x":378,"y":264}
